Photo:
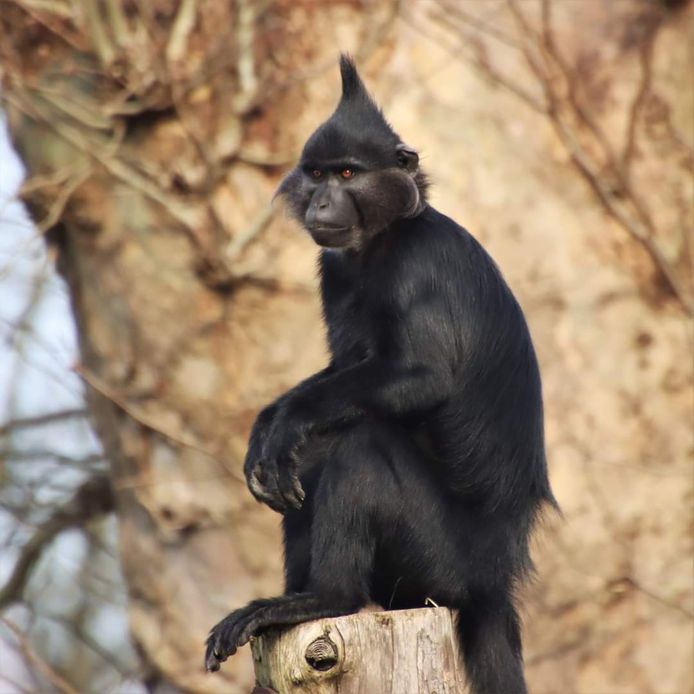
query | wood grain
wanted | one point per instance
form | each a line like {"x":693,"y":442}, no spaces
{"x":395,"y":652}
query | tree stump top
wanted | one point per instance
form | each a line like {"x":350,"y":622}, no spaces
{"x":403,"y":651}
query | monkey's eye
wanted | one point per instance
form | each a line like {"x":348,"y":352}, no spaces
{"x":347,"y":173}
{"x":316,"y":173}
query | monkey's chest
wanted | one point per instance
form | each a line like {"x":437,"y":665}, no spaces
{"x":350,"y":331}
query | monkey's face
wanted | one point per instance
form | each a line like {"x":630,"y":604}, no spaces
{"x":345,"y":200}
{"x":355,"y":177}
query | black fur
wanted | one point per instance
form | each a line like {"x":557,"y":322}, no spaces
{"x":413,"y":466}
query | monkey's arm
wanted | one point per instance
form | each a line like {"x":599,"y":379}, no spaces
{"x":378,"y":386}
{"x":411,"y":373}
{"x":261,"y":429}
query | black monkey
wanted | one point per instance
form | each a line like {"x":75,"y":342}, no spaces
{"x":413,"y":466}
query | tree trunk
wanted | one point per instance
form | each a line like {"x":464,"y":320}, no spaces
{"x":413,"y":651}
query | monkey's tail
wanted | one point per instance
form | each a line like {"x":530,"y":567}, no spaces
{"x":488,"y":634}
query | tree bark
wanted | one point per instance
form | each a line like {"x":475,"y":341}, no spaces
{"x":413,"y":651}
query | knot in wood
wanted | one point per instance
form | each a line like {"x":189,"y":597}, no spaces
{"x":321,"y":654}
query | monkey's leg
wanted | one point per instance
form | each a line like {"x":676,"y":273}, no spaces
{"x":297,"y":550}
{"x":297,"y":523}
{"x":342,"y":552}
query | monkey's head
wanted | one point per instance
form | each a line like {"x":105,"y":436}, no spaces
{"x":355,"y":176}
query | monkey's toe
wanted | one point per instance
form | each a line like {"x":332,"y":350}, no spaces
{"x":218,"y":649}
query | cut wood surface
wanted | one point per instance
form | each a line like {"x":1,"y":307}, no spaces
{"x":403,"y":652}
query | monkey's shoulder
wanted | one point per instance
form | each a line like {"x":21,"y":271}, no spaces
{"x":435,"y":248}
{"x":435,"y":233}
{"x":439,"y":253}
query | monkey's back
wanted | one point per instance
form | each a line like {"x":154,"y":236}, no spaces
{"x":488,"y":433}
{"x":493,"y":425}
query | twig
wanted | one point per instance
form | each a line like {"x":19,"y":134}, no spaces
{"x":245,"y":46}
{"x":93,"y":498}
{"x":37,"y":182}
{"x":241,"y":239}
{"x":183,"y":24}
{"x":453,"y":9}
{"x":78,"y":631}
{"x":119,"y":23}
{"x":41,"y":665}
{"x":54,"y":7}
{"x":478,"y":57}
{"x":645,"y":60}
{"x":98,"y":32}
{"x":138,"y":416}
{"x":76,"y":108}
{"x":44,"y":454}
{"x":617,"y":198}
{"x":190,"y":218}
{"x":612,"y":206}
{"x":40,"y":419}
{"x":55,"y":17}
{"x":61,"y":200}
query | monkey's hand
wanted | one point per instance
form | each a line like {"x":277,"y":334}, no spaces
{"x":271,"y":464}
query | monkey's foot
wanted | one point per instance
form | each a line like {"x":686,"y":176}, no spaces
{"x":234,"y":631}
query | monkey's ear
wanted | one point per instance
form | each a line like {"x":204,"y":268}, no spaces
{"x":288,"y":185}
{"x":408,"y":158}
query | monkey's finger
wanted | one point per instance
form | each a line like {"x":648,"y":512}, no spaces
{"x":296,"y":483}
{"x":254,"y":483}
{"x":288,"y":489}
{"x":212,"y":661}
{"x":291,"y":499}
{"x":273,"y":500}
{"x":263,"y":484}
{"x":261,"y":489}
{"x":298,"y":489}
{"x":252,"y":468}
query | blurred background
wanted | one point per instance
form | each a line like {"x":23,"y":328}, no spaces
{"x":151,"y":300}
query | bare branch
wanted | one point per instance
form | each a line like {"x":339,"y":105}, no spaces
{"x":454,"y":9}
{"x":141,"y":418}
{"x":470,"y":49}
{"x":192,"y":219}
{"x":93,"y":498}
{"x":183,"y":24}
{"x":41,"y":419}
{"x":118,"y":23}
{"x":35,"y":659}
{"x":59,"y":8}
{"x":99,"y":33}
{"x":45,"y":454}
{"x":245,"y":65}
{"x":585,"y":141}
{"x":241,"y":239}
{"x":611,"y":204}
{"x":61,"y":200}
{"x":645,"y":60}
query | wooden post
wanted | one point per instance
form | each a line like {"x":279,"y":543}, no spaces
{"x":397,"y":652}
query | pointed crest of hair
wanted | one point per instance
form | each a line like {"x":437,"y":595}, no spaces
{"x":352,"y":86}
{"x":357,"y":111}
{"x":356,"y":128}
